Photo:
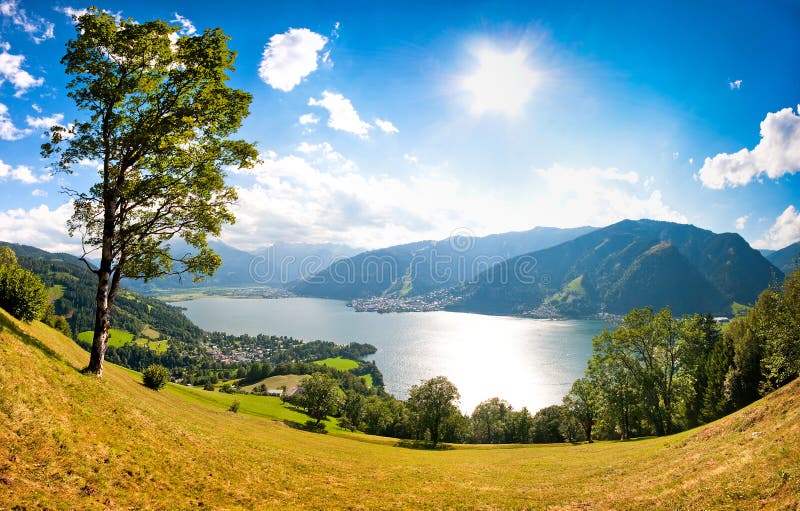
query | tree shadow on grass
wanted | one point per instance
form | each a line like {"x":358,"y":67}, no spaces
{"x":310,"y":425}
{"x":6,"y":324}
{"x":422,"y":445}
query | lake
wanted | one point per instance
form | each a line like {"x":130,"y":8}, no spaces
{"x":528,"y":362}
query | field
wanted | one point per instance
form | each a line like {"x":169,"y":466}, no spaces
{"x":70,"y":441}
{"x":276,"y":382}
{"x":55,"y":292}
{"x":117,"y":338}
{"x":342,"y":364}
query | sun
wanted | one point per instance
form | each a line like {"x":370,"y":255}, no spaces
{"x":502,"y":83}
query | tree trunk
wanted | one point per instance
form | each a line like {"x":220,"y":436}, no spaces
{"x":102,"y":323}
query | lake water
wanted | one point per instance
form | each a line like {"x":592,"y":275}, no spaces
{"x":528,"y":362}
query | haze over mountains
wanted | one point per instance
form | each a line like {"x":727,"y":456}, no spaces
{"x":786,"y":258}
{"x":273,"y":266}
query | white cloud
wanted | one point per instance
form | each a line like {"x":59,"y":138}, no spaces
{"x":502,"y":83}
{"x":691,"y":161}
{"x":676,"y":155}
{"x":318,"y":195}
{"x":735,"y":84}
{"x":187,"y":27}
{"x":21,"y":173}
{"x":7,"y":129}
{"x":38,"y":192}
{"x":341,"y":114}
{"x":38,"y":28}
{"x":741,"y":221}
{"x":71,"y":12}
{"x":308,"y":119}
{"x":784,"y":232}
{"x":40,"y":226}
{"x":386,"y":126}
{"x":290,"y":57}
{"x":11,"y":70}
{"x":595,"y":196}
{"x":44,"y":122}
{"x":410,"y":158}
{"x":777,"y":154}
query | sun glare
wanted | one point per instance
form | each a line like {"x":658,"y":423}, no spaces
{"x":503,"y":82}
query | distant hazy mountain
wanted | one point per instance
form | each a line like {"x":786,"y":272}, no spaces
{"x":273,"y":266}
{"x":786,"y":258}
{"x":425,"y":266}
{"x":628,"y":264}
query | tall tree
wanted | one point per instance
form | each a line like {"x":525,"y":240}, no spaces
{"x":321,"y":396}
{"x":431,"y":403}
{"x":581,"y":403}
{"x":490,"y":421}
{"x":159,"y":115}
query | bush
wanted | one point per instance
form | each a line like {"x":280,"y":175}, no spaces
{"x":209,"y":386}
{"x":234,"y":407}
{"x":22,"y":293}
{"x":155,"y":376}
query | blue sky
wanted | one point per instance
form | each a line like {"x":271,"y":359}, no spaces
{"x":384,"y":124}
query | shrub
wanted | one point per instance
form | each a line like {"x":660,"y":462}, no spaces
{"x":155,"y":376}
{"x":22,"y":293}
{"x":234,"y":407}
{"x":209,"y":386}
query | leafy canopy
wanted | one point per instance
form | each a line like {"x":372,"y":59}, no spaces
{"x":159,"y":117}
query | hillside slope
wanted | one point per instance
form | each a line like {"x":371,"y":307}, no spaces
{"x":628,"y":264}
{"x":426,"y":266}
{"x":786,"y":258}
{"x":68,"y":441}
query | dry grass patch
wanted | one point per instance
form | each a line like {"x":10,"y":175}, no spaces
{"x":69,"y":441}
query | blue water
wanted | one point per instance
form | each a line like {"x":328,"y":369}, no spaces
{"x":528,"y":362}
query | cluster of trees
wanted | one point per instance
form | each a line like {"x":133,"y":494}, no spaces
{"x":656,"y":374}
{"x":22,"y":293}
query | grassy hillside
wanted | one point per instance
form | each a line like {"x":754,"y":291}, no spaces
{"x":70,"y":441}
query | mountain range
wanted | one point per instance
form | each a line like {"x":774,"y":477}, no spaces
{"x":423,"y":267}
{"x":543,"y":272}
{"x":272,"y":266}
{"x":625,"y":265}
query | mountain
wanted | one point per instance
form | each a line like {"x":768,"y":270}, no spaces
{"x":419,"y":268}
{"x":786,"y":258}
{"x":625,"y":265}
{"x":273,"y":266}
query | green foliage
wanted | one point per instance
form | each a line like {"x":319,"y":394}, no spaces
{"x":209,"y":386}
{"x":22,"y":293}
{"x":546,"y":426}
{"x":321,"y":396}
{"x":234,"y":407}
{"x":7,"y":257}
{"x":490,"y":422}
{"x":649,"y":347}
{"x":780,"y":317}
{"x":581,"y":404}
{"x":155,"y":377}
{"x":431,"y":404}
{"x":158,"y":115}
